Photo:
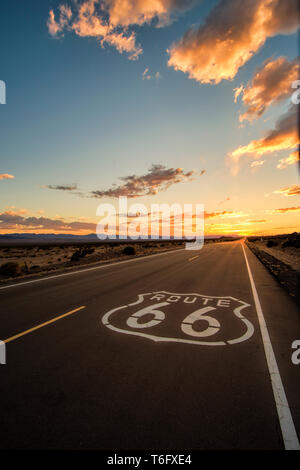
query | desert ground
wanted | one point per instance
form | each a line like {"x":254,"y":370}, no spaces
{"x":281,"y":255}
{"x":23,"y":260}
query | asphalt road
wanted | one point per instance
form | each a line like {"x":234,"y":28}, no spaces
{"x":189,"y":366}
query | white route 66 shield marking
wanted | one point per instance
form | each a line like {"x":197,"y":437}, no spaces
{"x":192,"y":318}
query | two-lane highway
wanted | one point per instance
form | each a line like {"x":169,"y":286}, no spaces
{"x":182,"y":350}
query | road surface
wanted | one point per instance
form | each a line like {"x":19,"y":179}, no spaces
{"x":172,"y":351}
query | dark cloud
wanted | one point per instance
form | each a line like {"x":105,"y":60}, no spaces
{"x":63,"y":187}
{"x":158,"y":178}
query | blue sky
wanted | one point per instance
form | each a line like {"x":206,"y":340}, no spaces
{"x":80,"y":113}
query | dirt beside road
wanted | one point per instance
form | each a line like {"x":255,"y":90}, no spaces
{"x":36,"y":260}
{"x":281,"y":256}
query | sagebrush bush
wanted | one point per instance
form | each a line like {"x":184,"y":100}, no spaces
{"x":129,"y":250}
{"x":293,"y":242}
{"x":271,"y":243}
{"x":81,"y":253}
{"x":10,"y":269}
{"x":76,"y":256}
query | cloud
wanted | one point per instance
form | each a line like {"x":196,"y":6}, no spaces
{"x":128,"y":12}
{"x":293,"y":190}
{"x":17,"y":212}
{"x":256,"y":221}
{"x":65,"y":187}
{"x":257,"y":163}
{"x":158,"y":178}
{"x":290,"y":160}
{"x":88,"y":22}
{"x":14,"y":221}
{"x":284,"y":136}
{"x":109,"y":20}
{"x":231,"y":34}
{"x":56,"y":27}
{"x":271,"y":84}
{"x":224,"y":214}
{"x":284,"y":210}
{"x":6,"y":176}
{"x":237,"y":92}
{"x":146,"y":75}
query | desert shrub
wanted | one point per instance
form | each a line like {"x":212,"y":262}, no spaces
{"x":129,"y":250}
{"x":292,"y":242}
{"x":76,"y":256}
{"x":10,"y":269}
{"x":271,"y":243}
{"x":36,"y":266}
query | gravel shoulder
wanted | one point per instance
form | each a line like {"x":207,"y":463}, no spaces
{"x":282,"y":261}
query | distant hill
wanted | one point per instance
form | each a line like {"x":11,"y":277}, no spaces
{"x":67,"y":238}
{"x":46,"y":236}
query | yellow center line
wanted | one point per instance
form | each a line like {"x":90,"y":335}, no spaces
{"x":194,"y":257}
{"x":26,"y":332}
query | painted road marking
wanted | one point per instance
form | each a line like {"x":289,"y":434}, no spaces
{"x":156,"y":313}
{"x":26,"y":332}
{"x":89,"y":269}
{"x":288,"y":430}
{"x":194,"y":257}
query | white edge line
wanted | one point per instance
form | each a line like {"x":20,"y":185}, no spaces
{"x":89,"y":269}
{"x":287,"y":426}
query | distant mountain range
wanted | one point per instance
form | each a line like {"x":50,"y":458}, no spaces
{"x":46,"y":236}
{"x":31,"y":238}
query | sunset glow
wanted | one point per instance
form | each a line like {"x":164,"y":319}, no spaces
{"x":161,"y":101}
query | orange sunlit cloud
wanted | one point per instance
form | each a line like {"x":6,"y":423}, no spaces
{"x":284,"y":136}
{"x":285,"y":210}
{"x":109,"y":20}
{"x":55,"y":27}
{"x":86,"y":22}
{"x":290,"y":160}
{"x":129,"y":12}
{"x":6,"y":176}
{"x":17,"y":212}
{"x":232,"y":33}
{"x":225,"y":214}
{"x":270,"y":84}
{"x":293,"y":190}
{"x":257,"y":163}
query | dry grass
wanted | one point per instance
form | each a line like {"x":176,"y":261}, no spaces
{"x":33,"y":260}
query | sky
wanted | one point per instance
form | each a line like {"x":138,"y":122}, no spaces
{"x":162,"y":101}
